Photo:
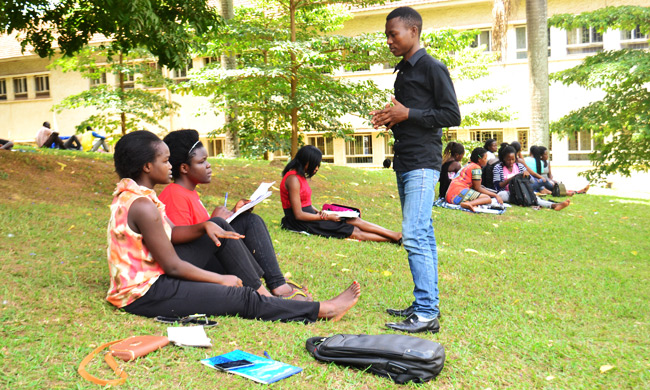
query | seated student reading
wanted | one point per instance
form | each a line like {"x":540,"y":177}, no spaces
{"x":300,"y":215}
{"x":507,"y":168}
{"x":451,"y":160}
{"x":159,"y":269}
{"x":190,"y":167}
{"x":466,"y":189}
{"x":537,"y":182}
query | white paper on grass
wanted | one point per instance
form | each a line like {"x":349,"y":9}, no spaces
{"x":188,"y":336}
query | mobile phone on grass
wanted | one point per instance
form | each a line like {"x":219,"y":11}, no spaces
{"x":233,"y":364}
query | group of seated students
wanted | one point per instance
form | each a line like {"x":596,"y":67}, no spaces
{"x":204,"y":264}
{"x":464,"y":185}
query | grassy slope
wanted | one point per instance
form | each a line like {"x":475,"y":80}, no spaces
{"x":548,"y":299}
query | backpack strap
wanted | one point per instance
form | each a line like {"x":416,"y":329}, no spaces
{"x":111,"y":362}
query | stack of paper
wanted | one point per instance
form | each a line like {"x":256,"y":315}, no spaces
{"x":188,"y":336}
{"x":342,"y":214}
{"x":262,"y":192}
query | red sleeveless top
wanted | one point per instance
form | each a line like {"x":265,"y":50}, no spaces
{"x":305,"y":191}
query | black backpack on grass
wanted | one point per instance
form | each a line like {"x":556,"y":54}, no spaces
{"x":487,"y":176}
{"x":399,"y":357}
{"x":521,"y":192}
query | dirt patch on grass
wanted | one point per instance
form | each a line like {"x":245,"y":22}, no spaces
{"x":57,"y":179}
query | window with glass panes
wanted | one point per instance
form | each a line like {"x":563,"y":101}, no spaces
{"x":634,"y":39}
{"x":42,"y":85}
{"x":215,"y":147}
{"x":3,"y":89}
{"x":522,"y":137}
{"x":581,"y":144}
{"x":20,"y":88}
{"x":359,"y":150}
{"x":324,"y":144}
{"x":484,"y":135}
{"x":450,"y":135}
{"x":483,"y":38}
{"x":99,"y":80}
{"x":388,"y":146}
{"x":522,"y":42}
{"x":584,"y":40}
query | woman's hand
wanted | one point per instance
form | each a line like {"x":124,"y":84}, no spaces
{"x":498,"y":198}
{"x":526,"y":174}
{"x":231,"y":281}
{"x":240,"y":204}
{"x":215,"y":232}
{"x":329,"y":217}
{"x":221,"y":212}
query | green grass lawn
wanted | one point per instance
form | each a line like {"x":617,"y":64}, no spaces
{"x":530,"y":299}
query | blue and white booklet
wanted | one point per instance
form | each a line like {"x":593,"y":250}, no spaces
{"x":263,"y":370}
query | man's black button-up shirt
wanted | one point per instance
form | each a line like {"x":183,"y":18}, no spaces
{"x":423,"y":86}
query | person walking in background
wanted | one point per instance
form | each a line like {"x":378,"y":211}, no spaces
{"x":424,"y":102}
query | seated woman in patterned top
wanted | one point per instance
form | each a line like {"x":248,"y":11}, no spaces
{"x":466,"y":189}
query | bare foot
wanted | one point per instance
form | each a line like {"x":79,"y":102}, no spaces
{"x":334,"y":309}
{"x":584,"y":190}
{"x":468,"y":206}
{"x":285,"y":291}
{"x":560,"y":206}
{"x":399,"y":239}
{"x":544,"y":191}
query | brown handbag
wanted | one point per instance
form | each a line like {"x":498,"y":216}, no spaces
{"x":127,"y":349}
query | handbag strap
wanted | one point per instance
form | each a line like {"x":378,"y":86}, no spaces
{"x":111,"y":362}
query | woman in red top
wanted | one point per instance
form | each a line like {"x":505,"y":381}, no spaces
{"x":190,"y":167}
{"x":466,"y":188}
{"x":300,"y":215}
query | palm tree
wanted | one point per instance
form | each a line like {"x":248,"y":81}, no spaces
{"x":537,"y":44}
{"x":228,"y":61}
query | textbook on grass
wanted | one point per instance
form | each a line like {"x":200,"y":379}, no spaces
{"x":263,"y":370}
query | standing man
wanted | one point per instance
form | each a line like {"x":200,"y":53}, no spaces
{"x":424,"y":102}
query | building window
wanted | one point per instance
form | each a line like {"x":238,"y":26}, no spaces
{"x":634,"y":39}
{"x":584,"y":40}
{"x":484,"y":135}
{"x":388,"y":147}
{"x":581,"y":145}
{"x":20,"y":88}
{"x":357,"y":68}
{"x":181,"y":74}
{"x":450,"y":135}
{"x":215,"y":147}
{"x":359,"y":150}
{"x":128,"y":74}
{"x":209,"y":60}
{"x":325,"y":145}
{"x":99,"y":80}
{"x":522,"y":42}
{"x":483,"y":39}
{"x":522,"y":137}
{"x":42,"y":86}
{"x":3,"y":89}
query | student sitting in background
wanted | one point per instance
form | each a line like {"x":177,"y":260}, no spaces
{"x":466,"y":189}
{"x":452,"y":157}
{"x":190,"y":167}
{"x":300,"y":215}
{"x":537,"y":182}
{"x":159,"y":269}
{"x":6,"y":144}
{"x":507,"y":168}
{"x":491,"y":147}
{"x":538,"y":161}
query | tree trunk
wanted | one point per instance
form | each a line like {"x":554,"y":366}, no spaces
{"x":122,"y":114}
{"x":294,"y":83}
{"x":228,"y":61}
{"x":537,"y":39}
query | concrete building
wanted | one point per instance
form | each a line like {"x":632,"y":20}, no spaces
{"x":29,"y":88}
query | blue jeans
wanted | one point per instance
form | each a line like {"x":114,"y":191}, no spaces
{"x":416,"y":193}
{"x":538,"y":184}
